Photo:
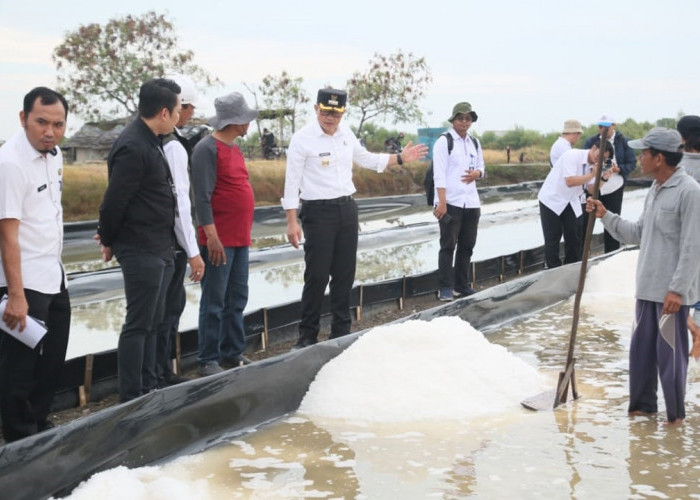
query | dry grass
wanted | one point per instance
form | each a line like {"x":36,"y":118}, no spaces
{"x":84,"y":185}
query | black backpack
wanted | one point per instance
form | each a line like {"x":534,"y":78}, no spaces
{"x":429,"y":182}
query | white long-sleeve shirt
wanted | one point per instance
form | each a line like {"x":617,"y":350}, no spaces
{"x":448,"y":169}
{"x":559,"y":147}
{"x":184,"y":229}
{"x":319,"y":166}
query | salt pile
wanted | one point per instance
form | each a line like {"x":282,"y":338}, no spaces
{"x":419,"y":370}
{"x":144,"y":483}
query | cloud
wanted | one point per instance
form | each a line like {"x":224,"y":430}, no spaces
{"x":26,"y":48}
{"x":249,"y":60}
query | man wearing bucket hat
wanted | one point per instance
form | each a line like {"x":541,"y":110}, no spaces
{"x":177,"y":151}
{"x":612,"y":189}
{"x":569,"y":136}
{"x":224,"y":204}
{"x":319,"y":174}
{"x":689,"y":128}
{"x":456,"y":167}
{"x":668,"y":273}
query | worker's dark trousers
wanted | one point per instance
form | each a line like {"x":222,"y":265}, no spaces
{"x":659,"y":349}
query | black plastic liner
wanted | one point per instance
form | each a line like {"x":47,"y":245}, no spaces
{"x":277,"y":324}
{"x":195,"y":415}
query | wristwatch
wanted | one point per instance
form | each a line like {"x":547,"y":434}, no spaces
{"x":399,"y":160}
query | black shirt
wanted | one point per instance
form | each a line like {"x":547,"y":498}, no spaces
{"x":138,"y":208}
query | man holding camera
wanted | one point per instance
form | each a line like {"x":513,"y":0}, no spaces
{"x":455,"y":170}
{"x":622,"y":163}
{"x":560,"y":199}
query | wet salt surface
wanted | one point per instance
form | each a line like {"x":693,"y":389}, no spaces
{"x":585,"y":449}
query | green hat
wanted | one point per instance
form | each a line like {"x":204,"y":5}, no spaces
{"x":463,"y":108}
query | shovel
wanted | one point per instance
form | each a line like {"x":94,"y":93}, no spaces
{"x":550,"y":400}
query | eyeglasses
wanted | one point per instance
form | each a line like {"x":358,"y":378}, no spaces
{"x":330,"y":112}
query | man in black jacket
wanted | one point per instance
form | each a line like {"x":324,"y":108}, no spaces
{"x":136,"y":226}
{"x":612,"y":190}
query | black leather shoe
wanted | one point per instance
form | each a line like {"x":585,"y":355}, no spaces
{"x":303,"y":342}
{"x":463,"y":292}
{"x":235,"y":362}
{"x":174,"y":379}
{"x":45,"y":425}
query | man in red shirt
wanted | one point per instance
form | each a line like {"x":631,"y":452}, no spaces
{"x":224,"y":204}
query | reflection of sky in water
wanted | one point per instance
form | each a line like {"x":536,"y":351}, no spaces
{"x":586,"y":449}
{"x":504,"y":228}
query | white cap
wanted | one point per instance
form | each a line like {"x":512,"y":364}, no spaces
{"x":188,"y":90}
{"x":606,"y":120}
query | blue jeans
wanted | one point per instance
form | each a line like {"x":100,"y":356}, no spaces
{"x":146,"y":278}
{"x":224,"y":297}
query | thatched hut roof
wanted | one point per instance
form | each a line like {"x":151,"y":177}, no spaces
{"x":97,"y":135}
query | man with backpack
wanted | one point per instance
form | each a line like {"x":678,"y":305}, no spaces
{"x":457,"y":163}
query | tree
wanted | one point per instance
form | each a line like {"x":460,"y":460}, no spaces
{"x":392,"y":87}
{"x":282,"y":95}
{"x":101,"y":68}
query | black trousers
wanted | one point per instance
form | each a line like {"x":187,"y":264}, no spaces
{"x":29,"y":377}
{"x":553,"y":226}
{"x":612,"y":202}
{"x":459,"y":233}
{"x":330,"y":251}
{"x":146,"y":279}
{"x":175,"y":298}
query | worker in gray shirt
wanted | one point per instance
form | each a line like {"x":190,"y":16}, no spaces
{"x":668,"y":268}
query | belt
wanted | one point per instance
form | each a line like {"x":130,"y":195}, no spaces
{"x":335,"y":201}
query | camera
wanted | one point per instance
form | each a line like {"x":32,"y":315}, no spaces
{"x":607,"y":164}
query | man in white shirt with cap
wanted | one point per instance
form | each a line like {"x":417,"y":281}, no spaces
{"x":319,"y":174}
{"x":622,"y":163}
{"x":178,"y":152}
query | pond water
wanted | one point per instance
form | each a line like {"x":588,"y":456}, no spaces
{"x":399,"y":244}
{"x":485,"y":448}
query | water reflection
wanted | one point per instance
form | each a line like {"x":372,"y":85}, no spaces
{"x":586,"y":449}
{"x":506,"y":228}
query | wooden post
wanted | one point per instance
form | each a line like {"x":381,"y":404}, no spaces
{"x":265,"y":337}
{"x":402,"y":299}
{"x":178,"y":354}
{"x":521,"y":258}
{"x":358,"y":311}
{"x":85,"y":389}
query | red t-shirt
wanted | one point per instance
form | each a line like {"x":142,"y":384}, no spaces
{"x":232,"y":201}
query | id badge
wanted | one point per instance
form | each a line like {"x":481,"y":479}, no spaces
{"x":325,"y":159}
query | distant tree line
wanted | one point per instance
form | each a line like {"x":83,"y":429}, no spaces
{"x":519,"y":137}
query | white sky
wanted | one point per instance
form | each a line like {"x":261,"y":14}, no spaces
{"x":533,"y":64}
